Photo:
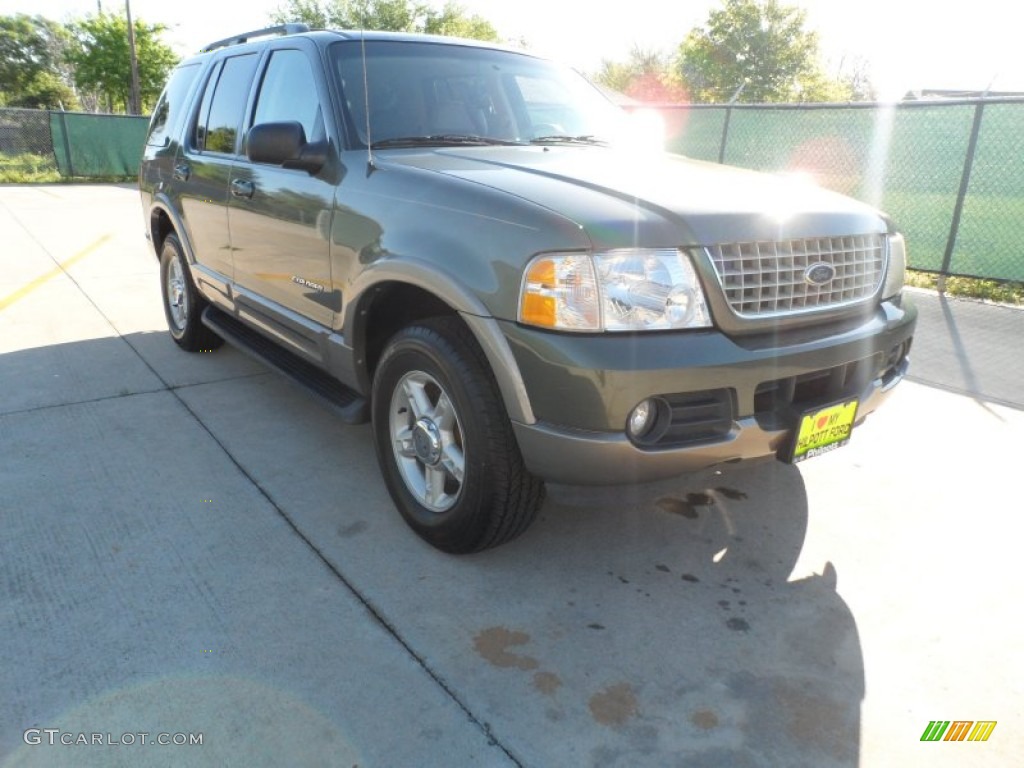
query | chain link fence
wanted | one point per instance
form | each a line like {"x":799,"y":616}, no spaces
{"x":41,"y":145}
{"x":951,"y":173}
{"x":26,"y":146}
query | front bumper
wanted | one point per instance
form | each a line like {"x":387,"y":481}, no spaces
{"x":583,"y":388}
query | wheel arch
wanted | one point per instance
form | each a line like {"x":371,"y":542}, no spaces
{"x":163,"y":221}
{"x":405,"y":293}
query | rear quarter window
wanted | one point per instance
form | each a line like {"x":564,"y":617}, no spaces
{"x":171,"y":107}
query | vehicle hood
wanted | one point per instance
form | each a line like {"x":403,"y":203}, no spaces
{"x":622,"y":199}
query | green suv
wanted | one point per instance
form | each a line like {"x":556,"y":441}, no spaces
{"x":464,"y":245}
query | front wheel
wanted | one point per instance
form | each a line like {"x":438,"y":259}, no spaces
{"x":444,"y":442}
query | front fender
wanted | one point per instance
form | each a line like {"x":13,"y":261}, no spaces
{"x":454,"y":294}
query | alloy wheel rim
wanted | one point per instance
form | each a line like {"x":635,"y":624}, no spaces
{"x":177,"y":298}
{"x":427,"y":441}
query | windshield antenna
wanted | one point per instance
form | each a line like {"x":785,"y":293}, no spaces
{"x":370,"y":167}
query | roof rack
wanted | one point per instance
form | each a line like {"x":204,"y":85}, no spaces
{"x":283,"y":29}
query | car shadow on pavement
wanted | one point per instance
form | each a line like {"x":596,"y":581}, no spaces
{"x":631,"y":626}
{"x":678,"y":595}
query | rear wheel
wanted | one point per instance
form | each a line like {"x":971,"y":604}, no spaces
{"x":444,"y":441}
{"x":183,"y":306}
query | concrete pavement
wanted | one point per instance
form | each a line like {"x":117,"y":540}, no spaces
{"x":970,"y":347}
{"x":193,"y":547}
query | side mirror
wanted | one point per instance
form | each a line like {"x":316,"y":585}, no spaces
{"x":285,"y":144}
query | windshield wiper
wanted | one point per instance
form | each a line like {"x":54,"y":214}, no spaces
{"x":559,"y":139}
{"x":442,"y":140}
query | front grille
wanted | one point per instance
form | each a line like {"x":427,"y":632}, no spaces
{"x":769,"y":278}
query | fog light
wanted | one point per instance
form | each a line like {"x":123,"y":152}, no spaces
{"x":642,"y":418}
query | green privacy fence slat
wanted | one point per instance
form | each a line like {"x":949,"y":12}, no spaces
{"x":993,"y":215}
{"x":97,"y":145}
{"x":908,"y":159}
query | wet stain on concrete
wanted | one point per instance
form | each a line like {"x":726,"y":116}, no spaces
{"x":732,"y":493}
{"x":724,"y":604}
{"x":614,"y":706}
{"x":663,"y":568}
{"x":738,"y":625}
{"x":690,"y":577}
{"x":547,"y":682}
{"x":704,"y":719}
{"x":685,"y":507}
{"x":814,"y":720}
{"x":349,"y":531}
{"x":595,"y":625}
{"x":493,"y":644}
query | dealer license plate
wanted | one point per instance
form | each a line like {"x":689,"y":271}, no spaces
{"x":824,"y":430}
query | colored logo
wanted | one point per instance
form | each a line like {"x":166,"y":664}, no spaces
{"x":959,"y":730}
{"x":819,"y":274}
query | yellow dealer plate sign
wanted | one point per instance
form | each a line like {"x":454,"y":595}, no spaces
{"x":824,"y":430}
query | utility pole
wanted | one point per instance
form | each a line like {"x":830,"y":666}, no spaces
{"x":135,"y":100}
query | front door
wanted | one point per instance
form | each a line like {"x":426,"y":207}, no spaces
{"x":280,"y":219}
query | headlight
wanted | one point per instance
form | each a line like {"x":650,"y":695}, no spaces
{"x":896,"y":272}
{"x":621,"y":290}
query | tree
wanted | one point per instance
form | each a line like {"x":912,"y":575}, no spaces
{"x":646,"y":76}
{"x":758,"y":50}
{"x":854,"y":74}
{"x":388,"y":15}
{"x":33,"y":69}
{"x":452,"y":21}
{"x":102,"y":62}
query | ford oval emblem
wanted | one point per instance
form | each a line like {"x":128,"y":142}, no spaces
{"x":819,"y":274}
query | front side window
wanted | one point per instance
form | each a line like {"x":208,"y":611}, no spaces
{"x":288,"y":93}
{"x":224,"y":104}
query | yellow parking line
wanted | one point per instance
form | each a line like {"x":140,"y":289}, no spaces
{"x":25,"y":290}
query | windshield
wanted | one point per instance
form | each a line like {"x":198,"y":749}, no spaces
{"x":427,"y":92}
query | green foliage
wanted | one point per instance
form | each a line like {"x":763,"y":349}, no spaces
{"x":27,"y":168}
{"x":452,"y":21}
{"x":33,"y":69}
{"x":387,"y":15}
{"x":988,"y":290}
{"x":646,"y":76}
{"x":102,"y":62}
{"x":759,"y":46}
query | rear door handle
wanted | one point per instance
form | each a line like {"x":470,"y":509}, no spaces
{"x":242,"y":188}
{"x":182,"y":171}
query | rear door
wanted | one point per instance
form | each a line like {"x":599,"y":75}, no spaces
{"x":204,"y":171}
{"x":280,"y":219}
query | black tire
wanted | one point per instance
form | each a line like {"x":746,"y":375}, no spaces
{"x":437,"y":368}
{"x":183,"y":306}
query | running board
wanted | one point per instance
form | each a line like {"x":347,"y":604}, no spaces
{"x":350,"y":406}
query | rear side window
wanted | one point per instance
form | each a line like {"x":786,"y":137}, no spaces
{"x":288,"y":92}
{"x":168,"y":111}
{"x":223,"y":105}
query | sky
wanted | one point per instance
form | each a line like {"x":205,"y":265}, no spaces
{"x":907,"y":44}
